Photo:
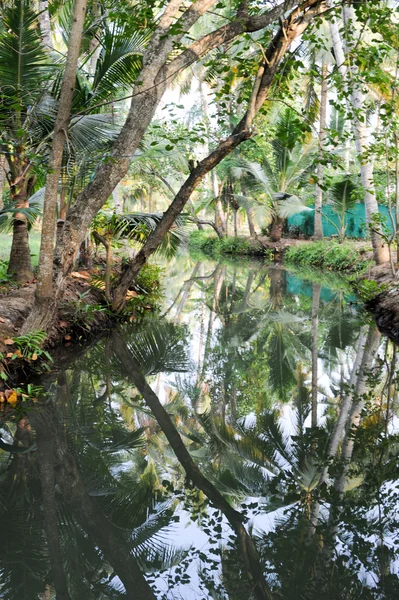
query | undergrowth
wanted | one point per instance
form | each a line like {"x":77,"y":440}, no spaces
{"x":331,"y":255}
{"x":213,"y":247}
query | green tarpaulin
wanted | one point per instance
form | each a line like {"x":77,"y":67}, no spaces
{"x":355,"y":221}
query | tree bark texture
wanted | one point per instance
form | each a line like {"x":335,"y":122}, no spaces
{"x":276,"y":229}
{"x":20,"y":264}
{"x":318,"y":204}
{"x":3,"y":178}
{"x":45,"y":25}
{"x":45,"y":279}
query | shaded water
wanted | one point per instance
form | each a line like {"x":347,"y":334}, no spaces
{"x":281,"y":401}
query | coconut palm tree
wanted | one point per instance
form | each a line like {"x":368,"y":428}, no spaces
{"x":274,"y":183}
{"x":30,"y":80}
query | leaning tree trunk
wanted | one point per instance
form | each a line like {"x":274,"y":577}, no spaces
{"x":318,"y":221}
{"x":276,"y":229}
{"x":289,"y":30}
{"x":355,"y":96}
{"x":20,"y":264}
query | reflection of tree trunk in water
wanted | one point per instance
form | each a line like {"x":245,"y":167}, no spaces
{"x":250,"y":555}
{"x":233,"y":288}
{"x":45,"y":456}
{"x":247,"y":291}
{"x":193,"y":274}
{"x":278,"y":283}
{"x":370,"y":349}
{"x":369,"y":352}
{"x":185,"y":290}
{"x":340,"y":425}
{"x":316,"y":287}
{"x":219,"y":276}
{"x":202,"y":329}
{"x":110,"y":540}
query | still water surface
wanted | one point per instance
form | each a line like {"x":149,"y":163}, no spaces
{"x":281,"y":402}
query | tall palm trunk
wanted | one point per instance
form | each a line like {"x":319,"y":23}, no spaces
{"x":41,"y":315}
{"x":20,"y":264}
{"x":45,"y":25}
{"x":249,"y":212}
{"x":318,"y":221}
{"x":361,"y":133}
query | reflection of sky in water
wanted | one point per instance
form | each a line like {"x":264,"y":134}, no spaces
{"x":226,"y":310}
{"x":196,"y":313}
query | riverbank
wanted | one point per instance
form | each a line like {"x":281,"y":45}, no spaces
{"x":82,"y":314}
{"x":374,"y":285}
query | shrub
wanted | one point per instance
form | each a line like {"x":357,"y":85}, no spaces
{"x":328,"y":255}
{"x":212,"y":246}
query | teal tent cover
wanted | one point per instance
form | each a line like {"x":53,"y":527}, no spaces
{"x":355,"y":221}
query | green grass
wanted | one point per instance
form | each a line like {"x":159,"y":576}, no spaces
{"x":34,"y":242}
{"x":331,"y":255}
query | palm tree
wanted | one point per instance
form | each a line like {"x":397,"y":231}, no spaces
{"x":31,"y":80}
{"x":274,"y":183}
{"x":343,"y":196}
{"x":24,"y":72}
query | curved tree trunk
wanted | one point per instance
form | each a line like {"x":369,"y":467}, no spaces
{"x":318,"y":221}
{"x":20,"y":264}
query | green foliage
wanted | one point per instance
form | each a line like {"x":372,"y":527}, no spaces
{"x":149,"y":289}
{"x":81,"y":313}
{"x":368,"y":289}
{"x":30,"y":346}
{"x":213,"y":246}
{"x":328,"y":255}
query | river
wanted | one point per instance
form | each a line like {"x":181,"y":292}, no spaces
{"x":276,"y":393}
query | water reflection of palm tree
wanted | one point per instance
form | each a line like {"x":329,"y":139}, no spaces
{"x":133,"y":370}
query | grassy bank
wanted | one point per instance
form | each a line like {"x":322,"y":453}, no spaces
{"x":213,"y":247}
{"x":343,"y":258}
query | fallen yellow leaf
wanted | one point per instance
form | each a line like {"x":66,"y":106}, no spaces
{"x":12,"y":399}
